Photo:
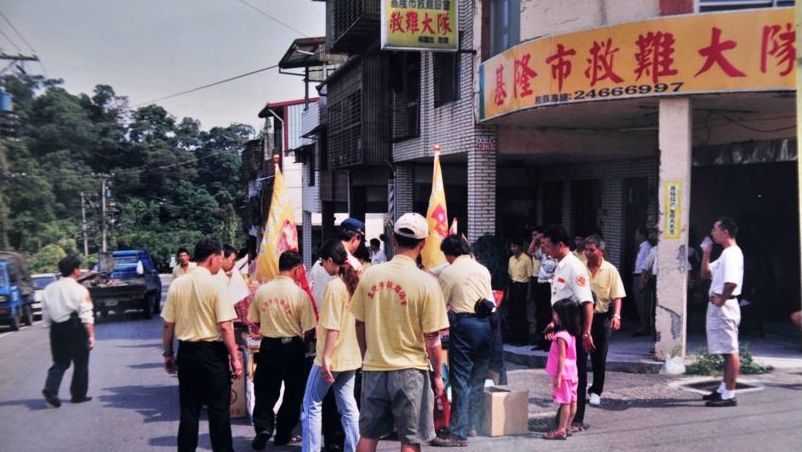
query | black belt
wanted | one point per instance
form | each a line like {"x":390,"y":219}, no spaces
{"x":282,"y":340}
{"x":460,"y":315}
{"x":194,"y":345}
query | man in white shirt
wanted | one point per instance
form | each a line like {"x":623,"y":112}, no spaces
{"x":638,"y":286}
{"x":377,"y":255}
{"x":723,"y":312}
{"x":572,"y":280}
{"x":67,"y":309}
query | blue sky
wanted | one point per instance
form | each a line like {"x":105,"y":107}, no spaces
{"x":147,"y":49}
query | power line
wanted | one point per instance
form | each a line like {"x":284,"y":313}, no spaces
{"x":9,"y":40}
{"x":17,"y":32}
{"x":274,"y":19}
{"x":206,"y":86}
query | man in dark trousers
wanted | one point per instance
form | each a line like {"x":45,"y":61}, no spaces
{"x":284,"y":314}
{"x":198,"y":313}
{"x":67,"y":308}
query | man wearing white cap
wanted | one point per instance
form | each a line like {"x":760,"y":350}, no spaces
{"x":399,"y":312}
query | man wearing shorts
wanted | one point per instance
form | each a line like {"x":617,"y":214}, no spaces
{"x":399,"y":311}
{"x":723,"y":312}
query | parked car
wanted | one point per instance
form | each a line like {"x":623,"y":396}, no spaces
{"x":16,"y":291}
{"x":40,"y":281}
{"x":125,"y":279}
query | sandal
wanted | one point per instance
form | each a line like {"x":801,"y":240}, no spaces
{"x":556,"y":434}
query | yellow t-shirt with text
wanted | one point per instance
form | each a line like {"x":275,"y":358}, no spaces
{"x":335,"y":315}
{"x":398,"y":303}
{"x":282,"y":309}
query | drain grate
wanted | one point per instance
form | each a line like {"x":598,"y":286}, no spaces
{"x":541,"y":424}
{"x":703,"y":385}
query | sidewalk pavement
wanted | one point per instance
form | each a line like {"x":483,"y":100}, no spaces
{"x":779,"y":348}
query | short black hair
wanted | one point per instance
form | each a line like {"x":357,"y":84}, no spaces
{"x":362,"y":252}
{"x":333,"y":249}
{"x":288,"y":260}
{"x":181,"y":250}
{"x":228,"y":250}
{"x":406,"y":243}
{"x":68,"y":264}
{"x":206,"y":247}
{"x":729,"y":225}
{"x":453,"y":245}
{"x":375,"y":242}
{"x":557,"y":234}
{"x":347,"y":234}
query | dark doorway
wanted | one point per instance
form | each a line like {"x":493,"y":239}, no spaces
{"x":586,"y":201}
{"x":552,"y":203}
{"x":760,"y":197}
{"x":636,"y":203}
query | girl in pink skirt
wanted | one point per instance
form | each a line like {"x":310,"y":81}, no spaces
{"x":561,"y":365}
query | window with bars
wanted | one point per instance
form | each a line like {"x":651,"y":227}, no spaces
{"x":704,"y":6}
{"x":446,"y":77}
{"x":405,"y":86}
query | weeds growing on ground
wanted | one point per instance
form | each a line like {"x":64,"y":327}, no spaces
{"x":707,"y":364}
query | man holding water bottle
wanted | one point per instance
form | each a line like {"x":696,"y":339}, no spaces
{"x":723,"y":311}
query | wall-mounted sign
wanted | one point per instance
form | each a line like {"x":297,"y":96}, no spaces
{"x":699,"y":53}
{"x":672,"y":209}
{"x":487,"y":144}
{"x":419,"y":25}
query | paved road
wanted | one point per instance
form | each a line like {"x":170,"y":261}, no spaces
{"x":135,"y":405}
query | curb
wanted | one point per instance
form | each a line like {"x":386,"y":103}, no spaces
{"x":537,"y":360}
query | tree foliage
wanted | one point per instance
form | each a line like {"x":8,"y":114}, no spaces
{"x":170,"y":181}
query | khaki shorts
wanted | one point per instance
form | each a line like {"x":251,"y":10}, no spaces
{"x":399,"y":398}
{"x":722,"y":327}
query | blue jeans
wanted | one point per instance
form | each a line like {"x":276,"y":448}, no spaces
{"x":470,"y":343}
{"x":316,"y":389}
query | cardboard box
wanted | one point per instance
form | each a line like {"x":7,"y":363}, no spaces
{"x":239,"y":407}
{"x":506,"y":411}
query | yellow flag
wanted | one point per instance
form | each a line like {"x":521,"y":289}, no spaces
{"x":437,"y":216}
{"x":280,"y":232}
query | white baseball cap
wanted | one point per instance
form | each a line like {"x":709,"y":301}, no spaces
{"x":412,"y":225}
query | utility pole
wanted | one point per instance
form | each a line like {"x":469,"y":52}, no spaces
{"x":103,"y":218}
{"x":83,"y":225}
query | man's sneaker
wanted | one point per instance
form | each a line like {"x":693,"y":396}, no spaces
{"x":714,"y":395}
{"x":594,"y":399}
{"x":260,"y":441}
{"x":449,"y":441}
{"x":722,"y":402}
{"x":80,"y":399}
{"x":51,"y":398}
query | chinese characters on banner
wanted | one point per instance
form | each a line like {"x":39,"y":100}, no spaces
{"x":723,"y":52}
{"x":672,"y":226}
{"x":419,"y":24}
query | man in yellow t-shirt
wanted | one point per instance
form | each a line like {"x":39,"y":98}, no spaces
{"x":399,"y":311}
{"x":464,"y":282}
{"x":519,"y":270}
{"x":284,"y":314}
{"x":199,"y":316}
{"x":184,"y":264}
{"x":609,"y":289}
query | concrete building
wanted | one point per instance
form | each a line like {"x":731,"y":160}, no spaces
{"x":600,"y":115}
{"x":661,"y":112}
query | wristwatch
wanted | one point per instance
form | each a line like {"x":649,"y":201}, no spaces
{"x":585,"y":335}
{"x":616,"y":317}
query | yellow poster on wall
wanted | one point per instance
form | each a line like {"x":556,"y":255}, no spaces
{"x":672,"y":209}
{"x":696,"y":53}
{"x":419,"y":25}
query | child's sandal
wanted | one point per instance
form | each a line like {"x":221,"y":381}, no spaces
{"x":556,"y":434}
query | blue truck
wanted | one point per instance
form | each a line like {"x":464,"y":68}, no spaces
{"x":16,"y":291}
{"x":125,"y":279}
